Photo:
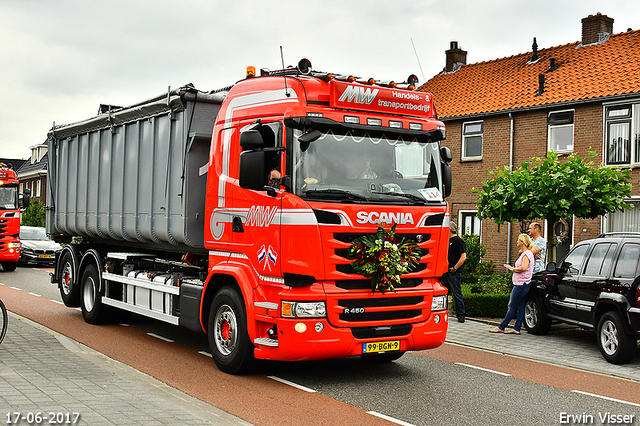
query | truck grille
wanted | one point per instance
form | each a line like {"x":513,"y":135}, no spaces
{"x":3,"y":226}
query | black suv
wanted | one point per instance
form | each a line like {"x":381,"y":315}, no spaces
{"x":596,"y":286}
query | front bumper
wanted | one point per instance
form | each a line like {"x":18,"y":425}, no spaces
{"x":317,"y":339}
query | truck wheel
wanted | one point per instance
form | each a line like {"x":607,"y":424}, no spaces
{"x":69,"y":288}
{"x":93,"y":311}
{"x":9,"y":266}
{"x":382,"y":358}
{"x":229,"y":341}
{"x":616,"y":345}
{"x":534,"y":319}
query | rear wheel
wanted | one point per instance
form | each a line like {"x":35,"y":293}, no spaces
{"x":534,"y":320}
{"x":616,"y":345}
{"x":69,"y":288}
{"x":93,"y":311}
{"x":229,"y":341}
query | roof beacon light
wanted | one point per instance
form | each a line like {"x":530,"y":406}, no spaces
{"x":351,"y":79}
{"x":251,"y":72}
{"x":371,"y":81}
{"x":412,"y":81}
{"x":304,"y":66}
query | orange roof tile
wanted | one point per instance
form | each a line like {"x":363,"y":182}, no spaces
{"x":583,"y":73}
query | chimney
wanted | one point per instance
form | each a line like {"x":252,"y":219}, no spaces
{"x":456,"y":57}
{"x":534,"y":48}
{"x":596,"y":28}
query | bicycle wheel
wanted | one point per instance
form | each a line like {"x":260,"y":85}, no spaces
{"x":4,"y":319}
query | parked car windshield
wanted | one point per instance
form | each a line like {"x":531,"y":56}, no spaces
{"x":368,"y":167}
{"x":33,"y":234}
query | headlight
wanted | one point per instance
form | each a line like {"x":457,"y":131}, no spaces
{"x":304,"y":309}
{"x":14,"y":245}
{"x":439,"y":303}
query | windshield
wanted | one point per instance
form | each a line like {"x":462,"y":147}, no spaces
{"x":33,"y":234}
{"x":367,"y":167}
{"x":8,"y":198}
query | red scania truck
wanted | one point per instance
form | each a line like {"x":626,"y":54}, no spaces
{"x":9,"y":219}
{"x":231,"y":213}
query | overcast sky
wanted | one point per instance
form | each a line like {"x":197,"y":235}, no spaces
{"x":60,"y":59}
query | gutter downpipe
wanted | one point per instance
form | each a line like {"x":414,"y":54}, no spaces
{"x":511,"y":134}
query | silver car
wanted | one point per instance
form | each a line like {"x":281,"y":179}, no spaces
{"x":36,"y":246}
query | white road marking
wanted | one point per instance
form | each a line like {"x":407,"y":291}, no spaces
{"x":295,"y":385}
{"x":391,"y":419}
{"x":484,"y":369}
{"x":607,"y":398}
{"x":160,"y":337}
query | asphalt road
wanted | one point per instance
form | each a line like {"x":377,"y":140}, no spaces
{"x":448,"y":385}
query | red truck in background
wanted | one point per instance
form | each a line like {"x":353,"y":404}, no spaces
{"x":231,"y":213}
{"x":9,"y":218}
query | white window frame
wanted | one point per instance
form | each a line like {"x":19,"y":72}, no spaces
{"x":633,"y":120}
{"x":38,"y":187}
{"x":461,"y":225}
{"x":551,"y":127}
{"x":631,"y":222}
{"x":472,"y":134}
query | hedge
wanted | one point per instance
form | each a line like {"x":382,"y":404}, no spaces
{"x":483,"y":305}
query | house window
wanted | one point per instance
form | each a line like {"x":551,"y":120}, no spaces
{"x":38,"y":185}
{"x":560,"y":127}
{"x":625,"y":220}
{"x":469,"y":223}
{"x":622,"y":143}
{"x":472,"y":140}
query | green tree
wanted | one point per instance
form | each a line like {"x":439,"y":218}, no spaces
{"x":34,"y":214}
{"x":550,"y":189}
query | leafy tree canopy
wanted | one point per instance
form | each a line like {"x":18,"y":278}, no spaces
{"x":550,"y":189}
{"x":34,"y":215}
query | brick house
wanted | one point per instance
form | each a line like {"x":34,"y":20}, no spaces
{"x":33,"y":173}
{"x":572,"y":98}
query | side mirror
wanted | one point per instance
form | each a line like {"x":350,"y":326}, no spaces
{"x":551,"y":267}
{"x":251,"y":139}
{"x":252,"y":171}
{"x":446,"y":155}
{"x":26,"y":198}
{"x":446,"y":179}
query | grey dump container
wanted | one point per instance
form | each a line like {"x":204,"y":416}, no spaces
{"x":134,"y":175}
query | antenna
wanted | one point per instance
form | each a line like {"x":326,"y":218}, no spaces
{"x":286,"y":91}
{"x":418,"y":59}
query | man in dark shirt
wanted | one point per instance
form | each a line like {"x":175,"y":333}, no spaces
{"x":457,"y":256}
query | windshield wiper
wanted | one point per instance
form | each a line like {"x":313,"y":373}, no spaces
{"x":402,"y":194}
{"x":341,"y":193}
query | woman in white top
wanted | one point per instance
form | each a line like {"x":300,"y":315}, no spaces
{"x":522,"y":272}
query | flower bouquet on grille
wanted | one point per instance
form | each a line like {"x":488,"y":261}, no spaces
{"x":383,"y":258}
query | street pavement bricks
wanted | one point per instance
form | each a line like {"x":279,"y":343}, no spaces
{"x":564,"y":346}
{"x":44,"y":372}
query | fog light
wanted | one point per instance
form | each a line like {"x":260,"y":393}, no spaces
{"x":437,"y":319}
{"x":301,"y":327}
{"x":319,"y":327}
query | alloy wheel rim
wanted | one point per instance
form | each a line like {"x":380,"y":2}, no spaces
{"x":609,"y":338}
{"x":226,"y":326}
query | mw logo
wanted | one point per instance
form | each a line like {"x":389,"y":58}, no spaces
{"x":260,"y":216}
{"x":359,"y":95}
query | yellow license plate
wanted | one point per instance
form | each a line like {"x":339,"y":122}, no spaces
{"x":45,"y":256}
{"x":375,"y":347}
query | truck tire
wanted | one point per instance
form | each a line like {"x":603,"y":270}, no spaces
{"x":534,"y":319}
{"x":616,"y":345}
{"x":229,"y":341}
{"x":93,"y":311}
{"x":9,"y":266}
{"x":69,"y":288}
